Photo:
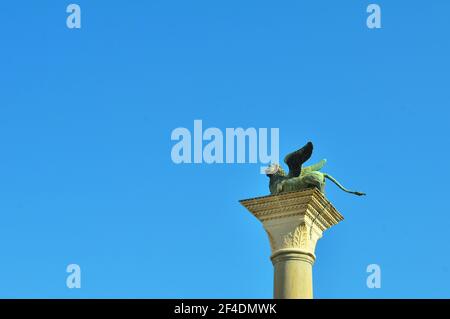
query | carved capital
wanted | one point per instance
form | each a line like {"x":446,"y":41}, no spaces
{"x":294,"y":221}
{"x":297,"y":238}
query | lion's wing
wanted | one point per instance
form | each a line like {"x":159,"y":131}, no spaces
{"x":315,"y":167}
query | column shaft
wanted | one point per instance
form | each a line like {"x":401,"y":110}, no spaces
{"x":293,"y":274}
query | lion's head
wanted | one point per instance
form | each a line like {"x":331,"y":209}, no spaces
{"x":275,"y":169}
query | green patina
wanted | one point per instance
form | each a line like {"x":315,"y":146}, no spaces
{"x":300,"y":178}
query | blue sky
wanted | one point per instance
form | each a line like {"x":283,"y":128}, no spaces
{"x":86,"y":117}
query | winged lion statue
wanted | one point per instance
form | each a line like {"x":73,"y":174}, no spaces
{"x":300,"y":178}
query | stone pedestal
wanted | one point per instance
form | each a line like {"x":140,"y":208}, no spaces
{"x":293,"y":222}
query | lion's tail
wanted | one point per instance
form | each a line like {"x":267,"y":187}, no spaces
{"x":331,"y":178}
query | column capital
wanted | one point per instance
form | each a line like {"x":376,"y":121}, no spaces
{"x":294,"y":221}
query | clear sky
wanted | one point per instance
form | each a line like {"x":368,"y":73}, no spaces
{"x":86,"y":116}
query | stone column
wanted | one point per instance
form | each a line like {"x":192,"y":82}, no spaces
{"x":293,"y":222}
